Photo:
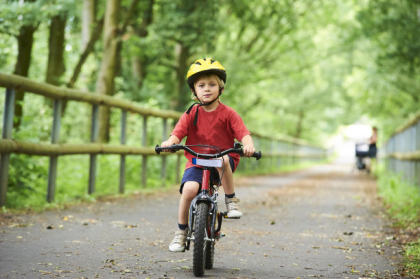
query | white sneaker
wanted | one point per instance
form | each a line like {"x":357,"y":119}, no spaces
{"x":178,"y":243}
{"x":232,"y":206}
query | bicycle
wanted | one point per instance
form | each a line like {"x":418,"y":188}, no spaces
{"x":205,"y":220}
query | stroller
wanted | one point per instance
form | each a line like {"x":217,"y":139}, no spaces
{"x":364,"y":151}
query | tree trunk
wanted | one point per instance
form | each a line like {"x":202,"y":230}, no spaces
{"x":299,"y":125}
{"x":88,"y":21}
{"x":182,"y":93}
{"x":105,"y":81}
{"x":25,"y":41}
{"x":56,"y":65}
{"x":139,"y":62}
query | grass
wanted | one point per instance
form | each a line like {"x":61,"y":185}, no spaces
{"x":402,"y":201}
{"x":412,"y":261}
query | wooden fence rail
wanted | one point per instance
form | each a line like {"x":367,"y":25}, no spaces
{"x":403,"y":151}
{"x":283,"y":147}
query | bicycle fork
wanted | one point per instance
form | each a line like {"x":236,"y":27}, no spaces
{"x":215,"y":216}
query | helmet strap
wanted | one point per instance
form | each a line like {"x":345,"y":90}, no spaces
{"x":202,"y":104}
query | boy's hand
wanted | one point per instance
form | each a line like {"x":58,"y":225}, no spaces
{"x":171,"y":141}
{"x":166,"y":143}
{"x":248,"y":146}
{"x":249,"y":150}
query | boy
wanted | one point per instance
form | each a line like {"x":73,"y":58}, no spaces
{"x":213,"y":123}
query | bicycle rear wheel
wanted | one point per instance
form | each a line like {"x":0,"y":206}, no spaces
{"x":200,"y":244}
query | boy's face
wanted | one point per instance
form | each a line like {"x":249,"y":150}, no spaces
{"x":207,"y":88}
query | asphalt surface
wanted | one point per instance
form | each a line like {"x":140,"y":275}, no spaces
{"x":325,"y":222}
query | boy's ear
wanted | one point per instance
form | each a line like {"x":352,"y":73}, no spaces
{"x":221,"y":90}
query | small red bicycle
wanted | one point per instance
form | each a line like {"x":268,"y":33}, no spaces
{"x":205,"y":220}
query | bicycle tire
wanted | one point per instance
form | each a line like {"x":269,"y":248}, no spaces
{"x":200,"y":227}
{"x":209,"y":254}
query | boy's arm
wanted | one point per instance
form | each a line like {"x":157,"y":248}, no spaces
{"x":248,"y":145}
{"x":171,"y":141}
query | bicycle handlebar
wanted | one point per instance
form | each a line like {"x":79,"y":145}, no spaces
{"x":236,"y":149}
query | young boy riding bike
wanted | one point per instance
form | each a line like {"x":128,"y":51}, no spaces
{"x":208,"y":122}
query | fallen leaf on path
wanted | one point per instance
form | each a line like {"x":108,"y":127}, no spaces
{"x":17,"y":225}
{"x":130,"y":226}
{"x":342,"y":248}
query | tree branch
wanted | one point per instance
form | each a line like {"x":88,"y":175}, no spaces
{"x":97,"y":31}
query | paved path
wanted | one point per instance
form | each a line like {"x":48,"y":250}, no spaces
{"x":324,"y":222}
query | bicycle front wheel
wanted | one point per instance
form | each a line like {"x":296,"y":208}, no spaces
{"x":200,"y":232}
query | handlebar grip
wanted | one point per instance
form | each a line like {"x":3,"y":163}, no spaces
{"x":257,"y":155}
{"x":158,"y":149}
{"x":172,"y":148}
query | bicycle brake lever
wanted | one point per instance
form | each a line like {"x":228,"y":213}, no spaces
{"x":237,"y":145}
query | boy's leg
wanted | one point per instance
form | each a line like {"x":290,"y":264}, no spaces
{"x":189,"y":191}
{"x":232,"y":203}
{"x":227,"y":179}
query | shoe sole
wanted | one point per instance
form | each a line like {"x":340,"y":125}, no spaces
{"x":176,"y":251}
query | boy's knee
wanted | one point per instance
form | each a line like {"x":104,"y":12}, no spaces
{"x":190,"y":189}
{"x":226,"y":162}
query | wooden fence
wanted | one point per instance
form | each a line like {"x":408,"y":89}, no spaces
{"x":278,"y":150}
{"x":403,"y":151}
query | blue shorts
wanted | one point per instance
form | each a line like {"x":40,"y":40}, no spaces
{"x":196,"y":174}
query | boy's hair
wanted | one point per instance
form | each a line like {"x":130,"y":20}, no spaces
{"x":220,"y":82}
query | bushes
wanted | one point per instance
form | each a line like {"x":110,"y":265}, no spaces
{"x":28,"y":178}
{"x":403,"y":205}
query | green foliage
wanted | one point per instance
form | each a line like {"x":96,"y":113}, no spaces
{"x":412,"y":260}
{"x":27,"y":177}
{"x":403,"y":200}
{"x":15,"y":14}
{"x":393,"y":29}
{"x":403,"y":203}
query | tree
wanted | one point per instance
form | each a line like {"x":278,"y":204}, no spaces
{"x":105,"y":80}
{"x":186,"y":29}
{"x":55,"y":64}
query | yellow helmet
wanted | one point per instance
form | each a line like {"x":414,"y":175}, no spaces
{"x":205,"y":66}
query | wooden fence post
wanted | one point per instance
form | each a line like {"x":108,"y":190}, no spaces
{"x":8,"y":115}
{"x":122,"y":157}
{"x":93,"y":138}
{"x":55,"y":134}
{"x":144,"y":157}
